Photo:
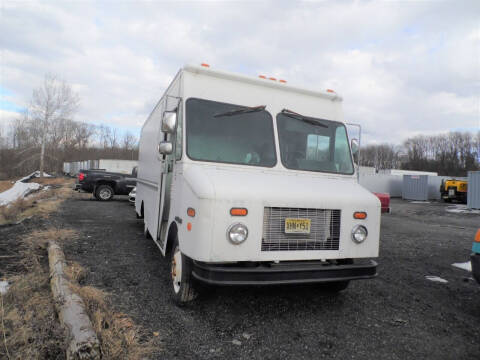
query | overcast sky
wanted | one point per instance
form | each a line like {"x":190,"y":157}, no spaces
{"x":402,"y":67}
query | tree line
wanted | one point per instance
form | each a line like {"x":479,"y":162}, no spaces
{"x":46,"y":135}
{"x":451,"y":154}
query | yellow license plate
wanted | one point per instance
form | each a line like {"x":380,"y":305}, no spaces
{"x":297,"y":226}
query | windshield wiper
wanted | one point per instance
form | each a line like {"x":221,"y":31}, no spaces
{"x":298,"y":116}
{"x":242,"y":110}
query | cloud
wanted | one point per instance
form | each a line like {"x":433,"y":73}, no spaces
{"x":402,"y":67}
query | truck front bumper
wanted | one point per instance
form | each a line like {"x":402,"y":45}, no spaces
{"x":475,"y":259}
{"x":292,"y":272}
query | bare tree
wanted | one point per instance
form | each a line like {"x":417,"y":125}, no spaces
{"x":129,"y":141}
{"x":51,"y":103}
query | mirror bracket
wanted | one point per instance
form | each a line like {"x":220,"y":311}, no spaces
{"x":165,"y":148}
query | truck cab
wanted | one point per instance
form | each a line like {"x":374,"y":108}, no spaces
{"x":250,"y":181}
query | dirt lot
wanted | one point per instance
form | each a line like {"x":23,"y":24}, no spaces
{"x":398,"y":315}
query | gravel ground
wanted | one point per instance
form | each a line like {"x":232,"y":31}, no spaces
{"x":398,"y":315}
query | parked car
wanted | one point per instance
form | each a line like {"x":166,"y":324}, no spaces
{"x":104,"y":185}
{"x":475,"y":257}
{"x":132,"y":195}
{"x":246,"y":181}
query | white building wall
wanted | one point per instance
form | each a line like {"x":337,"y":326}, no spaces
{"x":119,"y":166}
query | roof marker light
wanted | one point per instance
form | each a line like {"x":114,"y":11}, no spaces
{"x":272,"y":78}
{"x":204,"y":65}
{"x":283,"y":81}
{"x":262,"y":76}
{"x":330,"y":91}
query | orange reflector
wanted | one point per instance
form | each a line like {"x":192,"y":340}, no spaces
{"x":205,"y":65}
{"x":191,"y":212}
{"x":262,"y":76}
{"x":360,"y":215}
{"x":238,"y":211}
{"x":477,"y":236}
{"x":283,"y":81}
{"x":189,"y":226}
{"x":330,"y":90}
{"x":272,"y":78}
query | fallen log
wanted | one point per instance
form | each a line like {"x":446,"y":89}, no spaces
{"x":82,"y":339}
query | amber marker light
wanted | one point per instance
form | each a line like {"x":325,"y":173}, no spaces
{"x":189,"y":226}
{"x":191,"y":212}
{"x":282,"y":81}
{"x":272,"y":78}
{"x":477,"y":236}
{"x":360,"y":215}
{"x":204,"y":65}
{"x":238,"y":211}
{"x":330,"y":91}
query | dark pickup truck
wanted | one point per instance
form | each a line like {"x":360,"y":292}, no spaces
{"x":104,"y":185}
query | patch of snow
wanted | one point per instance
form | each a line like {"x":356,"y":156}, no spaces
{"x":18,"y":190}
{"x":461,"y":209}
{"x":4,"y":287}
{"x":35,"y":174}
{"x":436,"y":279}
{"x":467,"y":266}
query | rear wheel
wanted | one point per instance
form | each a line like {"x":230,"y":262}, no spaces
{"x":183,"y":289}
{"x":104,"y":193}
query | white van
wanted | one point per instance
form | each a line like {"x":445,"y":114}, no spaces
{"x":250,"y":181}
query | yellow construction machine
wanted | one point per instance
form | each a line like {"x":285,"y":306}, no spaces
{"x":452,"y":189}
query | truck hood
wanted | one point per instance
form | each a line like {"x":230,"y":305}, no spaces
{"x":276,"y":188}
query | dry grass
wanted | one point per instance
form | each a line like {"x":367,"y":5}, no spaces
{"x":41,"y":203}
{"x":53,"y":181}
{"x":119,"y":337}
{"x":31,"y":329}
{"x":5,"y":185}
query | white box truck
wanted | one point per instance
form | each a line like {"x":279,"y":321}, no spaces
{"x":250,"y":181}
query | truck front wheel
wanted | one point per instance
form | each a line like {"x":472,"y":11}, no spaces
{"x":181,"y":275}
{"x":104,"y":193}
{"x":337,"y":286}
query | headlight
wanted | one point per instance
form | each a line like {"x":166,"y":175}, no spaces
{"x":359,"y":234}
{"x":237,"y":233}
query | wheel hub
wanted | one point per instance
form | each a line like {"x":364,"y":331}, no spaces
{"x":104,"y":194}
{"x":176,"y":270}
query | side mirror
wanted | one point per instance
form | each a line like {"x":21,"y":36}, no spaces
{"x":165,"y":148}
{"x":169,"y":121}
{"x":355,"y":146}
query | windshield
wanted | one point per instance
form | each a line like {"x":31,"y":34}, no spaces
{"x":313,"y":144}
{"x":229,"y":133}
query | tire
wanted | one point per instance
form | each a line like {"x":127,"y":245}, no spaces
{"x":182,"y":282}
{"x":104,"y":193}
{"x":337,"y":286}
{"x":146,"y":233}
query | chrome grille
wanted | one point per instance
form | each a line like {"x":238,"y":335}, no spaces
{"x":324,"y":229}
